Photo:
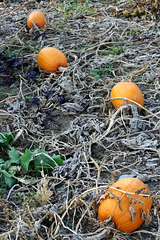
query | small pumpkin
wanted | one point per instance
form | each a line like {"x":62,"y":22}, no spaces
{"x":50,"y":59}
{"x":126,"y":90}
{"x":127,"y":210}
{"x":37,"y":17}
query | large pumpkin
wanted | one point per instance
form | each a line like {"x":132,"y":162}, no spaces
{"x":129,"y":211}
{"x":37,"y":17}
{"x":49,"y":59}
{"x":126,"y":90}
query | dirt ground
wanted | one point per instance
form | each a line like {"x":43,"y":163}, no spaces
{"x":71,"y":114}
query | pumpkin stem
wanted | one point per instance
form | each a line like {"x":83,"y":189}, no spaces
{"x":61,"y":69}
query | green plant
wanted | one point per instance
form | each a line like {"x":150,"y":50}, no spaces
{"x":36,"y":161}
{"x":102,"y":71}
{"x":82,"y":47}
{"x":18,"y":196}
{"x":9,"y":52}
{"x":135,"y":33}
{"x":138,"y":79}
{"x":113,"y":50}
{"x":151,"y":80}
{"x":6,"y":138}
{"x":116,"y":50}
{"x":2,"y":190}
{"x":81,"y":7}
{"x":22,"y":195}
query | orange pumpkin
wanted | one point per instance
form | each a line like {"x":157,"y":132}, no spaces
{"x":126,"y":90}
{"x":37,"y":17}
{"x":128,"y":214}
{"x":49,"y":59}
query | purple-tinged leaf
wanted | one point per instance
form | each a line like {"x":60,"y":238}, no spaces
{"x":17,"y":64}
{"x":61,"y":98}
{"x":48,"y":94}
{"x":31,"y":76}
{"x":34,"y":100}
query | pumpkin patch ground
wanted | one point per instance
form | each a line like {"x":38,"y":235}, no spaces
{"x":63,"y":144}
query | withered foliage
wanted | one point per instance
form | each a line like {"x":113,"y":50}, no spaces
{"x":71,"y":114}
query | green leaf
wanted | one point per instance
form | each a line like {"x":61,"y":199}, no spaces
{"x":1,"y":161}
{"x":6,"y":174}
{"x":46,"y":162}
{"x":26,"y":181}
{"x":26,"y":159}
{"x":58,"y":159}
{"x":13,"y":170}
{"x":9,"y":181}
{"x":14,"y":156}
{"x":2,"y":166}
{"x":97,"y":77}
{"x":6,"y":138}
{"x":7,"y":163}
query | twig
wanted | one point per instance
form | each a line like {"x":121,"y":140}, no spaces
{"x":103,"y":234}
{"x":139,"y":105}
{"x":7,"y":233}
{"x":61,"y":219}
{"x":111,"y":123}
{"x":16,"y":185}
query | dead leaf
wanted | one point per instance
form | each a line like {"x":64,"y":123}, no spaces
{"x":132,"y":211}
{"x":10,"y":99}
{"x":156,"y":208}
{"x":148,"y":219}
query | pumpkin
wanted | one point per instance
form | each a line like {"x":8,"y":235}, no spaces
{"x":129,"y":211}
{"x":50,"y":59}
{"x":126,"y":90}
{"x":37,"y":17}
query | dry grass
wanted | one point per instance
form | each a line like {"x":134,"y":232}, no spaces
{"x":98,"y":143}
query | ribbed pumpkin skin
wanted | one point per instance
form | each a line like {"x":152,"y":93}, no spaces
{"x":127,"y":90}
{"x":122,"y":218}
{"x":37,"y":17}
{"x":49,"y":59}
